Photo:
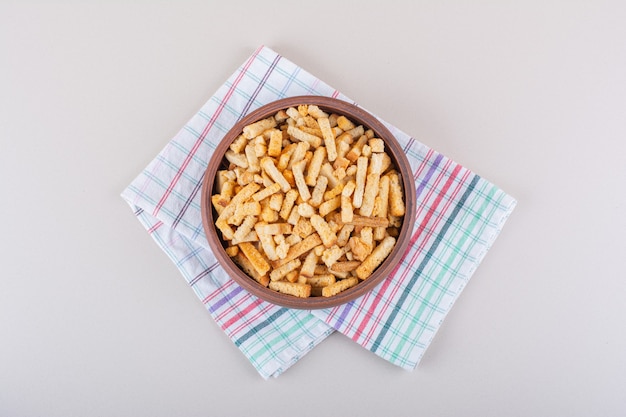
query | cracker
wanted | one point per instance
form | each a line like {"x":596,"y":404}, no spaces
{"x":396,"y":202}
{"x":285,"y":156}
{"x":268,"y":165}
{"x":380,"y":209}
{"x":298,"y":175}
{"x":282,"y":249}
{"x":356,"y":149}
{"x":255,"y":129}
{"x":288,"y":202}
{"x":316,"y":112}
{"x":237,"y":159}
{"x":298,"y":154}
{"x":247,"y":267}
{"x":341,"y":162}
{"x":327,"y":171}
{"x":377,"y":145}
{"x":369,"y":195}
{"x":254,"y":256}
{"x":266,"y":192}
{"x":339,"y":286}
{"x":251,"y":156}
{"x":276,"y":201}
{"x":366,"y":151}
{"x":315,"y":166}
{"x":244,"y":194}
{"x":300,"y":249}
{"x":369,"y":221}
{"x":245,"y":228}
{"x":276,"y":143}
{"x":284,"y":269}
{"x":281,"y":116}
{"x":344,"y":234}
{"x":331,"y":255}
{"x":221,"y":179}
{"x":303,"y":228}
{"x":292,"y":288}
{"x":249,"y":237}
{"x":293,"y":113}
{"x":329,"y":206}
{"x":357,"y":132}
{"x":228,"y":190}
{"x":321,"y":280}
{"x":334,"y":192}
{"x":347,"y":211}
{"x":294,"y":216}
{"x":321,"y":269}
{"x":216,"y":201}
{"x":327,"y":236}
{"x":346,"y":266}
{"x":232,"y":251}
{"x":288,"y":174}
{"x":239,"y":144}
{"x":260,"y":147}
{"x":305,"y":210}
{"x":317,"y":196}
{"x":344,"y":123}
{"x":292,"y":276}
{"x":302,"y":136}
{"x":293,"y":239}
{"x":329,"y":138}
{"x":377,"y":256}
{"x":308,"y":266}
{"x":360,"y":250}
{"x":268,"y":214}
{"x":273,"y":228}
{"x":267,"y":243}
{"x":361,"y":172}
{"x":303,"y":109}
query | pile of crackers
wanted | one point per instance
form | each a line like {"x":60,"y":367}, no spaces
{"x":311,"y":204}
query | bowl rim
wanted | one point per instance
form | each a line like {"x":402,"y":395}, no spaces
{"x":356,"y":114}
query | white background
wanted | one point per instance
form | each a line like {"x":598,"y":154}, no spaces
{"x":96,"y":321}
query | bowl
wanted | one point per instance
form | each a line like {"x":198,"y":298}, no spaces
{"x":392,"y":148}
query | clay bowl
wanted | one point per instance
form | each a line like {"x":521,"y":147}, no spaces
{"x":393,"y":149}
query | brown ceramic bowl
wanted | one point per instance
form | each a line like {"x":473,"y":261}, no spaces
{"x":393,"y":149}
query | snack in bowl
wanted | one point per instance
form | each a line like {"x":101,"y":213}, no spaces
{"x":308,"y":202}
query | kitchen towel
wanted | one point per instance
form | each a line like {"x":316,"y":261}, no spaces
{"x":459,"y":215}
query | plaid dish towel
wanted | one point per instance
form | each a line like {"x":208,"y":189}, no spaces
{"x":459,"y":215}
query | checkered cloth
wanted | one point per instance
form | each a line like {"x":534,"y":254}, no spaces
{"x":459,"y":215}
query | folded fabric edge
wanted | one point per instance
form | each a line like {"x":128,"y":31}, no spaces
{"x":489,"y":241}
{"x":309,"y":348}
{"x":279,"y":362}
